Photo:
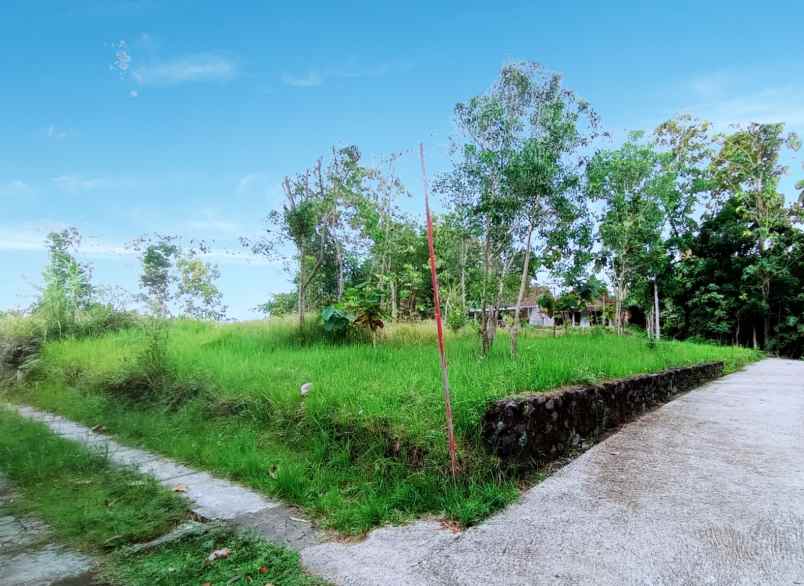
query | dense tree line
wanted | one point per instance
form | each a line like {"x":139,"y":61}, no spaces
{"x":686,"y":226}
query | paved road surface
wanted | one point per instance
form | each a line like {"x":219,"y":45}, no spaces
{"x":708,"y":489}
{"x":29,"y":556}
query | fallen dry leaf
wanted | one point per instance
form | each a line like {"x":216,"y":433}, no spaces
{"x":218,"y":554}
{"x":180,"y":488}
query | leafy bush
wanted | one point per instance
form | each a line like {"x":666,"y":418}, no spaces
{"x":365,"y":303}
{"x":101,"y":318}
{"x":788,"y":338}
{"x":280,"y":305}
{"x":455,"y":310}
{"x":336,"y":321}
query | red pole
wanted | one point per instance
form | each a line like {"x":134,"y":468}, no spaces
{"x":439,"y":325}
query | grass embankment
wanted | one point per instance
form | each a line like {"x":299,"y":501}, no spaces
{"x":99,"y":508}
{"x":366,"y":446}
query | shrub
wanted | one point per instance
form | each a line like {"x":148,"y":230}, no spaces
{"x":20,"y":341}
{"x":151,"y":378}
{"x":336,"y":321}
{"x":100,"y":318}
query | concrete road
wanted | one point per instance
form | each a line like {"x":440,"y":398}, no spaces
{"x":30,"y":557}
{"x":708,"y":489}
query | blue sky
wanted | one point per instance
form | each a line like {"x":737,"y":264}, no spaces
{"x":125,"y":117}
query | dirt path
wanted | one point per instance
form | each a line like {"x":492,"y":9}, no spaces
{"x":708,"y":489}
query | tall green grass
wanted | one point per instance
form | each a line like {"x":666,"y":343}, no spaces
{"x":366,"y":445}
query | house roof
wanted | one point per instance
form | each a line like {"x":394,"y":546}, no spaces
{"x":531,"y":298}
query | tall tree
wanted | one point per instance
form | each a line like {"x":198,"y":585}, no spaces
{"x":626,"y":182}
{"x":68,"y":282}
{"x":543,"y":176}
{"x":158,"y":256}
{"x":313,"y":219}
{"x":513,"y":143}
{"x":747,"y":169}
{"x":175,"y":277}
{"x":685,"y":149}
{"x":197,"y":288}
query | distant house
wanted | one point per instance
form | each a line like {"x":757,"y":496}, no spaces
{"x":593,"y":313}
{"x":529,"y":310}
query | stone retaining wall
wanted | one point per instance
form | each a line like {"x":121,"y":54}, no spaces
{"x":545,"y":426}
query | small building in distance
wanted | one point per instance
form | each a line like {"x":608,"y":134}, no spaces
{"x":531,"y":312}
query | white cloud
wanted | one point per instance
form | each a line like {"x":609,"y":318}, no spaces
{"x":257,"y":183}
{"x":78,"y":183}
{"x":56,"y":133}
{"x":31,"y":237}
{"x":15,"y":187}
{"x":211,"y":222}
{"x":780,"y":104}
{"x":726,"y":98}
{"x":26,"y":237}
{"x":191,"y":68}
{"x":711,"y":84}
{"x":309,"y":79}
{"x":347,"y":70}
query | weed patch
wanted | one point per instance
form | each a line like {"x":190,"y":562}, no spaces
{"x":247,"y":560}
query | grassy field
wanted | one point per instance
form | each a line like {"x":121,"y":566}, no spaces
{"x":366,"y":446}
{"x":101,"y":509}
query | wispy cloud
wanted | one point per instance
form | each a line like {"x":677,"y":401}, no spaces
{"x":779,"y":104}
{"x":56,"y":133}
{"x":31,"y":238}
{"x":15,"y":187}
{"x":349,"y":70}
{"x":258,"y":184}
{"x":727,"y":98}
{"x":210,"y":222}
{"x":78,"y":183}
{"x":143,"y":66}
{"x":190,"y":68}
{"x":309,"y":79}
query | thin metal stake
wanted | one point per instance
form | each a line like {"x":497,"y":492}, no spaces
{"x":437,"y":302}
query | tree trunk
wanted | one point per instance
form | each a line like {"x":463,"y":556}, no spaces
{"x":656,"y":315}
{"x":485,"y":336}
{"x":463,"y":273}
{"x":756,"y":346}
{"x":339,"y":262}
{"x":394,"y":309}
{"x":766,"y":317}
{"x":300,"y":300}
{"x":523,"y":283}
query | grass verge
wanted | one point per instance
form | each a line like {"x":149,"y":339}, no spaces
{"x":100,"y":508}
{"x":366,"y":446}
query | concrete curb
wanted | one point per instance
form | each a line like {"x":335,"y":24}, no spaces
{"x":211,"y":498}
